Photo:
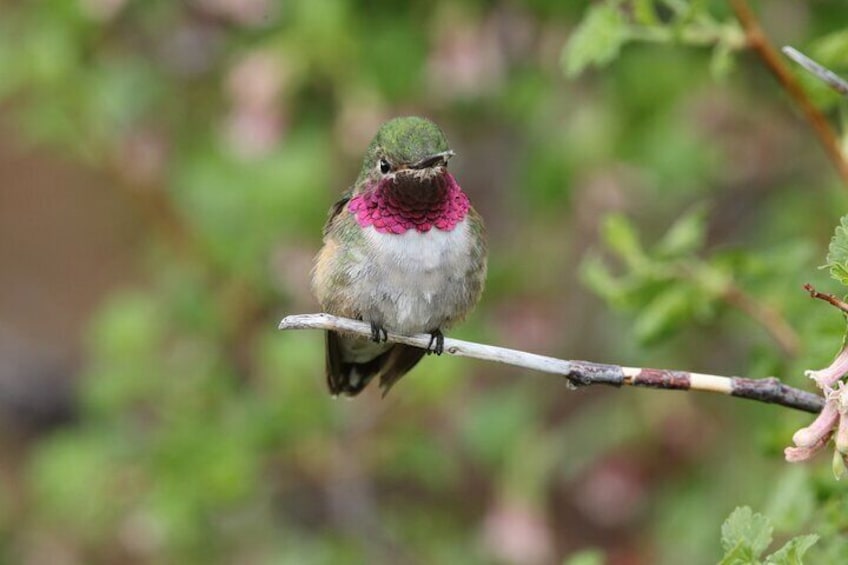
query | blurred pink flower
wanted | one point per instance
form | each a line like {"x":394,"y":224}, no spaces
{"x":252,"y":134}
{"x":143,"y":157}
{"x":611,"y":494}
{"x":360,"y":115}
{"x":142,"y":534}
{"x":255,"y":123}
{"x":256,"y":79}
{"x":192,"y":49}
{"x":515,"y":533}
{"x":243,"y":12}
{"x":467,"y":59}
{"x":102,"y":10}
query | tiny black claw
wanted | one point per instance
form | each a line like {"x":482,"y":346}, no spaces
{"x":378,"y":333}
{"x":437,"y":342}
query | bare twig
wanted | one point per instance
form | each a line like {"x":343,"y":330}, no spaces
{"x":830,"y":78}
{"x":583,"y":373}
{"x":771,"y":319}
{"x":829,"y":298}
{"x":758,"y":41}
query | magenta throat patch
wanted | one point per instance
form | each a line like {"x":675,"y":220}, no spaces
{"x":395,"y":206}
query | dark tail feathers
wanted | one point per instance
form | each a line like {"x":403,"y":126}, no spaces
{"x":350,"y":379}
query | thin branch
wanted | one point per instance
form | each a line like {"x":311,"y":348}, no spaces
{"x":583,"y":373}
{"x":758,"y":41}
{"x":829,"y":298}
{"x":821,"y":72}
{"x":769,"y":318}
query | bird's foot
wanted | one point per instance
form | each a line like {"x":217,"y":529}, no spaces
{"x":378,"y":333}
{"x":437,"y":342}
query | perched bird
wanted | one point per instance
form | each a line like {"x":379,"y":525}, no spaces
{"x":403,"y":250}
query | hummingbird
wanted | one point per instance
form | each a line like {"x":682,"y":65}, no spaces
{"x":403,"y":251}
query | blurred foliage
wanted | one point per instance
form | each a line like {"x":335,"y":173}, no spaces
{"x":231,"y":125}
{"x":671,"y":286}
{"x":605,"y":29}
{"x":668,"y":287}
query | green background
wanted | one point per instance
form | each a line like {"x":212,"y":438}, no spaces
{"x":167,"y":168}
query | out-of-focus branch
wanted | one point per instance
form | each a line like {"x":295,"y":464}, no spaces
{"x":769,"y":318}
{"x":759,"y":43}
{"x":583,"y":373}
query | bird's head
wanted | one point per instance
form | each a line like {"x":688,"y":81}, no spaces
{"x":406,"y":150}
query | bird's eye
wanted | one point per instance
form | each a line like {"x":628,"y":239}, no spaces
{"x":385,"y":166}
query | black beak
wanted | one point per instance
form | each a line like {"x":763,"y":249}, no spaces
{"x":433,"y":160}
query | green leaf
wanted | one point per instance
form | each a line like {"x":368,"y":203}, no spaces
{"x":596,"y":275}
{"x":597,"y":40}
{"x":618,"y":233}
{"x":745,"y":535}
{"x":645,"y":13}
{"x":740,"y":554}
{"x":663,"y":313}
{"x":831,"y":49}
{"x":721,"y":60}
{"x":792,"y":552}
{"x":713,"y":278}
{"x":586,"y":557}
{"x":837,"y":252}
{"x":685,"y":235}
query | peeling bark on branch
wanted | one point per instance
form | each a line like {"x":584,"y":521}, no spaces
{"x":584,"y":373}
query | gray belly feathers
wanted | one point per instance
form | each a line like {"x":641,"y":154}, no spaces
{"x":415,"y":282}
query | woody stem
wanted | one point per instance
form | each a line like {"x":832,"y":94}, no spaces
{"x":583,"y":373}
